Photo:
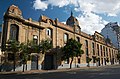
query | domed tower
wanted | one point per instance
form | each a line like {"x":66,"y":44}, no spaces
{"x":73,"y":22}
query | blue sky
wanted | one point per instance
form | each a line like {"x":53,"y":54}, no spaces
{"x":91,"y":14}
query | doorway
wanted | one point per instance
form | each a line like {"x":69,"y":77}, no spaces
{"x":48,"y":62}
{"x":34,"y":62}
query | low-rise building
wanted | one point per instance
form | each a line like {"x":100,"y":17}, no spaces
{"x":22,"y":30}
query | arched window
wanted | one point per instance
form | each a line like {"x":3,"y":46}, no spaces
{"x":35,"y":39}
{"x":98,"y":49}
{"x":49,"y":33}
{"x":93,"y":48}
{"x":110,"y":53}
{"x":104,"y":50}
{"x":78,"y":39}
{"x":86,"y":47}
{"x":14,"y":30}
{"x":101,"y":50}
{"x":65,"y":38}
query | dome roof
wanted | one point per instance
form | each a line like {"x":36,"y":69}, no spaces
{"x":72,"y":20}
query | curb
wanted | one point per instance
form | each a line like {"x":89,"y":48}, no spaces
{"x":58,"y":70}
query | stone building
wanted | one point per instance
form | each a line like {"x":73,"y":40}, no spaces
{"x":94,"y":46}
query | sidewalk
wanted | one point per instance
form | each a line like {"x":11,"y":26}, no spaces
{"x":48,"y":71}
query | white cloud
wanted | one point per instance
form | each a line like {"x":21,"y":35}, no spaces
{"x":38,"y":4}
{"x":59,"y":3}
{"x":110,"y":7}
{"x":90,"y":20}
{"x":43,"y":5}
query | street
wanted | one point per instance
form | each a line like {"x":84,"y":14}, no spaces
{"x":106,"y":72}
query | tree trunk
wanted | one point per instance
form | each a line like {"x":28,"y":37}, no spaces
{"x":88,"y":64}
{"x":14,"y":66}
{"x":26,"y":65}
{"x":23,"y":66}
{"x":14,"y":63}
{"x":71,"y":63}
{"x":97,"y":63}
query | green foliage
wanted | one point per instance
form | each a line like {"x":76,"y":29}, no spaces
{"x":97,"y":59}
{"x":118,"y":56}
{"x":24,"y":52}
{"x":33,"y":48}
{"x":27,"y":49}
{"x":107,"y":60}
{"x":12,"y":46}
{"x":88,"y":59}
{"x":72,"y":49}
{"x":45,"y":45}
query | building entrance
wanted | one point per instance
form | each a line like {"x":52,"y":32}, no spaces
{"x":34,"y":62}
{"x":48,"y":62}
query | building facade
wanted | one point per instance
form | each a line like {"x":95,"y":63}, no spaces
{"x":112,"y":30}
{"x":22,"y":30}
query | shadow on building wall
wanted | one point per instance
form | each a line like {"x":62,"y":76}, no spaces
{"x":8,"y":66}
{"x":52,"y":60}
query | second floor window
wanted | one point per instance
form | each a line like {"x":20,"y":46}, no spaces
{"x":65,"y":38}
{"x":49,"y":33}
{"x":101,"y":50}
{"x":93,"y":48}
{"x":104,"y":50}
{"x":78,"y":39}
{"x":98,"y":50}
{"x":35,"y":39}
{"x":110,"y":53}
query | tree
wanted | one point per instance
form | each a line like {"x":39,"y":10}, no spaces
{"x":45,"y":45}
{"x":107,"y":60}
{"x":72,"y":49}
{"x":96,"y":60}
{"x":88,"y":61}
{"x":33,"y":47}
{"x":118,"y":57}
{"x":24,"y":53}
{"x":13,"y":46}
{"x":27,"y":49}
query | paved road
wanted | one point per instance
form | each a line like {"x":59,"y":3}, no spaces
{"x":109,"y":72}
